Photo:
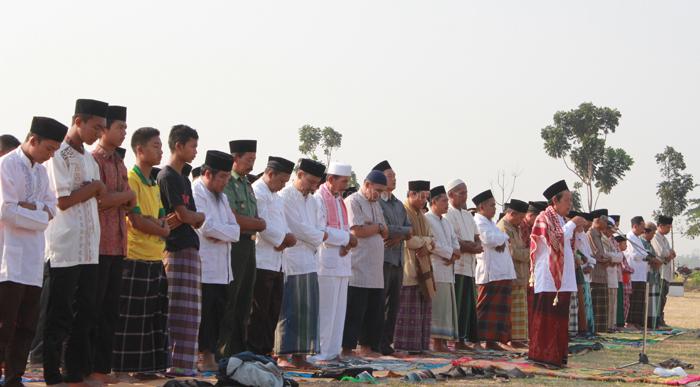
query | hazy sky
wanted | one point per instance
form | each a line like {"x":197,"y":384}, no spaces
{"x":441,"y":89}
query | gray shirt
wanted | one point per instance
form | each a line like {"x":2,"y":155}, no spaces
{"x":368,"y":257}
{"x":398,"y":225}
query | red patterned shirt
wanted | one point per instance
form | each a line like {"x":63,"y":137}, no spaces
{"x":112,"y":221}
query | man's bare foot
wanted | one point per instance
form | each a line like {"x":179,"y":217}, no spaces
{"x":518,"y":345}
{"x":103,"y":378}
{"x":207,"y":362}
{"x":300,"y":362}
{"x":464,"y":346}
{"x":366,"y":351}
{"x":440,"y":345}
{"x":492,"y":345}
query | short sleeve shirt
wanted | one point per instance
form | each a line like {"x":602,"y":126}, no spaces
{"x":368,"y":257}
{"x":176,"y":190}
{"x":142,"y":246}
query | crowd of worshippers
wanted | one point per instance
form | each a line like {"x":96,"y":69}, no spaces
{"x":112,"y":273}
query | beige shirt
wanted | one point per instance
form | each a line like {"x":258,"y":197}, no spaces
{"x":519,"y":251}
{"x":367,"y":258}
{"x":422,"y":236}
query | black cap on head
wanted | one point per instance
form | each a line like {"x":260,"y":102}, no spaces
{"x":419,"y":185}
{"x":536,"y":207}
{"x":620,"y":238}
{"x":312,"y":167}
{"x":518,"y":205}
{"x":280,"y":164}
{"x":91,"y":107}
{"x":437,"y":191}
{"x":616,"y":218}
{"x":252,"y":178}
{"x":48,"y":128}
{"x":555,"y":189}
{"x":219,"y":161}
{"x":587,"y":215}
{"x":243,"y":146}
{"x":121,"y":152}
{"x":573,"y":214}
{"x":116,"y":113}
{"x":196,"y":172}
{"x":382,"y":166}
{"x":598,"y":213}
{"x":666,"y":220}
{"x":482,"y":197}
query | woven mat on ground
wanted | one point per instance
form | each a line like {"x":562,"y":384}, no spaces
{"x":608,"y":375}
{"x":627,"y":339}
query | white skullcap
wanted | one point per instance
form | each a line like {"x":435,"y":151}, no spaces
{"x":339,"y":169}
{"x":453,"y":183}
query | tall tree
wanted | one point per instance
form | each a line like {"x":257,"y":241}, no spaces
{"x":675,"y":185}
{"x":578,"y":137}
{"x":311,"y":137}
{"x":692,"y":219}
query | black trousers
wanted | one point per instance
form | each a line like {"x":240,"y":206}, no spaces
{"x":664,"y":298}
{"x":19,"y":311}
{"x":36,"y":354}
{"x":213,"y":306}
{"x":233,"y":335}
{"x":364,"y":317}
{"x":267,"y":302}
{"x":393,"y":280}
{"x":70,"y":316}
{"x":107,"y":302}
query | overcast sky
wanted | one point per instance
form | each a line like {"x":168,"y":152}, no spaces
{"x":442,"y":89}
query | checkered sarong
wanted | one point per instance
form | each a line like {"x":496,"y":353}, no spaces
{"x":493,"y":311}
{"x":183,"y":269}
{"x":626,"y":300}
{"x":654,"y":297}
{"x":612,"y":308}
{"x":573,"y":313}
{"x":298,"y":326}
{"x":599,"y":297}
{"x":412,"y":332}
{"x":141,"y":334}
{"x":636,"y":315}
{"x":518,"y":313}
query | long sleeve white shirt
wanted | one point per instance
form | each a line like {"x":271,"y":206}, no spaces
{"x":216,"y":234}
{"x":21,"y":229}
{"x":271,"y":210}
{"x":304,"y":222}
{"x":583,"y":244}
{"x":635,"y":254}
{"x":492,"y":265}
{"x":663,"y":250}
{"x":330,"y":262}
{"x":462,"y":222}
{"x":445,"y":244}
{"x":544,"y":281}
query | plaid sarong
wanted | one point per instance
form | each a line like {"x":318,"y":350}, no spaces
{"x":573,"y":313}
{"x":444,"y":323}
{"x":298,"y":327}
{"x":465,"y":293}
{"x":184,"y":272}
{"x":626,"y":300}
{"x":549,"y":339}
{"x":518,"y":313}
{"x":493,"y":311}
{"x":141,"y":334}
{"x":636,"y":315}
{"x":599,"y":296}
{"x":412,"y":332}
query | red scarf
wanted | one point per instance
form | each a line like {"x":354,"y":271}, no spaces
{"x":547,"y":226}
{"x":332,"y":202}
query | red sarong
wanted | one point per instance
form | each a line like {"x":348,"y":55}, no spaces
{"x":549,"y":328}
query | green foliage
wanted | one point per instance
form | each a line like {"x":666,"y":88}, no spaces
{"x":310,"y":137}
{"x":578,"y":137}
{"x":693,"y":219}
{"x":675,"y":185}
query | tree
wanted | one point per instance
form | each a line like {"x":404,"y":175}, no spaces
{"x":576,"y":196}
{"x":675,"y":185}
{"x":311,"y":137}
{"x":503,"y":187}
{"x":578,"y":137}
{"x":692,"y":218}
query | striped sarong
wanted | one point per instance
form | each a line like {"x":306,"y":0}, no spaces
{"x":654,"y":297}
{"x":573,"y":313}
{"x":141,"y":334}
{"x":184,"y":271}
{"x":599,"y":296}
{"x":636,"y":315}
{"x":518,"y":313}
{"x":412,"y":332}
{"x":298,"y":327}
{"x":444,"y":323}
{"x":590,"y":320}
{"x":465,"y":291}
{"x":612,"y":308}
{"x":626,"y":300}
{"x":493,"y":311}
{"x":620,"y":319}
